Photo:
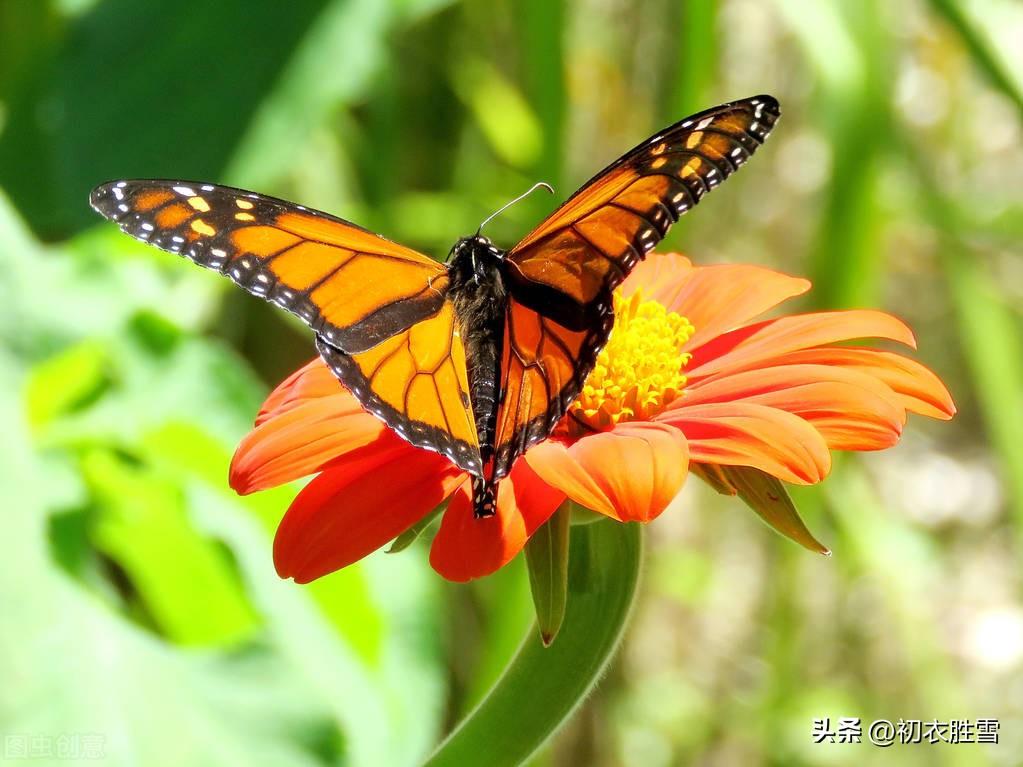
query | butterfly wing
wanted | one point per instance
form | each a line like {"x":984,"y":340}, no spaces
{"x":416,"y":382}
{"x":561,"y":276}
{"x":327,"y":271}
{"x":381,"y":312}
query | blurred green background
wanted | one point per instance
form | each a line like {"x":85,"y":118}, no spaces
{"x":141,"y":622}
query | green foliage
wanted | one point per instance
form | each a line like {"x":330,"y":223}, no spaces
{"x":138,"y":600}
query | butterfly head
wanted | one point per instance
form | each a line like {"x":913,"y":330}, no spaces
{"x":474,"y":258}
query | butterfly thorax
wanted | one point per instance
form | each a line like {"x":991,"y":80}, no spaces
{"x":478,"y":292}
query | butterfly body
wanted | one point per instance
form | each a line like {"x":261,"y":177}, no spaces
{"x":477,"y":290}
{"x":478,"y":358}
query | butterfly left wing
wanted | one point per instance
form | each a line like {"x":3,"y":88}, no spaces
{"x":561,"y":276}
{"x":416,"y":382}
{"x":353,"y":287}
{"x":383,"y":319}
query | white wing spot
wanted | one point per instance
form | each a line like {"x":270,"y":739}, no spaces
{"x":184,"y":191}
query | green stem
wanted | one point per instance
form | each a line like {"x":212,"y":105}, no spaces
{"x":543,"y":686}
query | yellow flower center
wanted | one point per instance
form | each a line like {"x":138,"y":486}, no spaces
{"x":639,"y":373}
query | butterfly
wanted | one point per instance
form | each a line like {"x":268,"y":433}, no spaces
{"x":477,"y":358}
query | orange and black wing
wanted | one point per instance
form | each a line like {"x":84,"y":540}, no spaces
{"x":381,"y":313}
{"x":543,"y":369}
{"x":416,"y":382}
{"x":351,"y":286}
{"x":561,"y":276}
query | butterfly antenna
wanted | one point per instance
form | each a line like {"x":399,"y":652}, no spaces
{"x":503,"y":208}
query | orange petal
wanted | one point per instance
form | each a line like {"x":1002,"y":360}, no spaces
{"x":852,"y":410}
{"x":467,"y":548}
{"x":630,"y":473}
{"x":916,"y":387}
{"x":310,"y":382}
{"x":754,"y":345}
{"x":743,"y":434}
{"x":357,"y":506}
{"x":300,"y":440}
{"x":716,"y":299}
{"x":659,"y":276}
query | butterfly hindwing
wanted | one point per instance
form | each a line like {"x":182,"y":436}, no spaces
{"x":323,"y":269}
{"x":544,"y":366}
{"x":416,"y":382}
{"x":565,"y":270}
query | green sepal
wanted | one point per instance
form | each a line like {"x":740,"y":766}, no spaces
{"x":547,"y":561}
{"x":766,"y":495}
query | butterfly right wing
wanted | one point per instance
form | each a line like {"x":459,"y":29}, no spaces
{"x":561,"y":275}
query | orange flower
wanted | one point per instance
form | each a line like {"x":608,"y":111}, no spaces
{"x":684,"y":379}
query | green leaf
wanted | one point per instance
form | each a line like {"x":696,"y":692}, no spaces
{"x":73,"y":666}
{"x":84,"y":115}
{"x":767,"y":496}
{"x":67,"y":382}
{"x":547,"y":559}
{"x":985,"y":55}
{"x":504,"y":116}
{"x":542,"y":686}
{"x":184,"y":580}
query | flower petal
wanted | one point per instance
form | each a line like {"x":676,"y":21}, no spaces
{"x":660,"y":276}
{"x":754,"y":344}
{"x":300,"y":440}
{"x":742,"y":434}
{"x":716,"y":299}
{"x":852,"y":410}
{"x":357,"y":506}
{"x":467,"y":548}
{"x":630,"y":473}
{"x":917,"y":388}
{"x":310,"y":382}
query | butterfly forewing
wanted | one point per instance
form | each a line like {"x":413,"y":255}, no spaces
{"x":312,"y":264}
{"x":589,"y":244}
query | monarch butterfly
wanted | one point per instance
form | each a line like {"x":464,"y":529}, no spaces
{"x":478,"y":358}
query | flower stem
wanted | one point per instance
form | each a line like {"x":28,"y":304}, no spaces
{"x":543,"y":686}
